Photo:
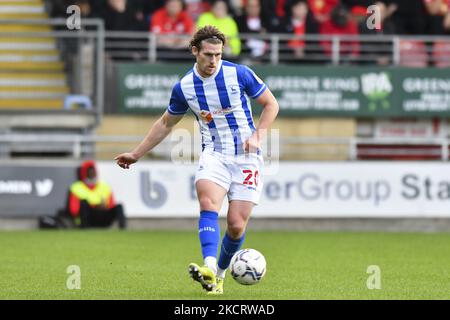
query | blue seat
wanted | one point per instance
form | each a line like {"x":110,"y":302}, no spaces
{"x":78,"y":100}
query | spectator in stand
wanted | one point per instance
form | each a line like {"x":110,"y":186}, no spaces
{"x":358,"y":8}
{"x":437,"y":24}
{"x":151,"y":6}
{"x":196,"y":7}
{"x":378,"y":52}
{"x":172,"y":20}
{"x":252,"y":21}
{"x":138,"y":9}
{"x":118,"y":18}
{"x":322,"y":9}
{"x":410,"y":16}
{"x":437,"y":11}
{"x":85,"y":8}
{"x":98,"y":6}
{"x":340,"y":23}
{"x":276,"y":11}
{"x":58,"y":8}
{"x":387,"y":26}
{"x":218,"y":17}
{"x":236,"y":7}
{"x":444,"y":53}
{"x":300,"y":22}
{"x":447,"y":23}
{"x":141,"y":9}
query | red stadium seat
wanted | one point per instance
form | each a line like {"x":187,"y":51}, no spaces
{"x":441,"y":54}
{"x":398,"y":152}
{"x":413,"y":53}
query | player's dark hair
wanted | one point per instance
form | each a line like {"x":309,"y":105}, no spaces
{"x":209,"y":34}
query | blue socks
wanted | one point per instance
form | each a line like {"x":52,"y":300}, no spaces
{"x":209,"y":233}
{"x":229,"y":248}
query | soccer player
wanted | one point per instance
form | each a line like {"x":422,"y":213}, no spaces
{"x":218,"y":93}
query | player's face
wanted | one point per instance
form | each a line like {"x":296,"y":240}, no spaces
{"x":208,"y":58}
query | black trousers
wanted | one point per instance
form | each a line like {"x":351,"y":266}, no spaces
{"x":97,"y":218}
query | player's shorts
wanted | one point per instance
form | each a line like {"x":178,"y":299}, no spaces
{"x":240,"y":175}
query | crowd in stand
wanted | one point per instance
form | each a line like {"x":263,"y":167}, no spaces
{"x":299,"y":17}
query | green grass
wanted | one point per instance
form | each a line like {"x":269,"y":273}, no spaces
{"x":153,"y":265}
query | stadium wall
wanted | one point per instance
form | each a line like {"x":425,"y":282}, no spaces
{"x":155,"y":189}
{"x":296,"y":189}
{"x":138,"y":125}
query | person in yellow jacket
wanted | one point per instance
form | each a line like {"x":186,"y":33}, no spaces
{"x":218,"y":17}
{"x":91,"y":202}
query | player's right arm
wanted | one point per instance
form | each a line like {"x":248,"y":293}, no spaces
{"x":160,"y":130}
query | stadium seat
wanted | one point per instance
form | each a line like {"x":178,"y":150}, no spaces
{"x":441,"y":54}
{"x":31,"y":72}
{"x":72,"y":101}
{"x":417,"y":152}
{"x":413,"y":53}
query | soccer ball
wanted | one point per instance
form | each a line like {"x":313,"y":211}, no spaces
{"x":248,"y":266}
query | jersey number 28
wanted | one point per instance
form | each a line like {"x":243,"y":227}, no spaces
{"x":249,"y":175}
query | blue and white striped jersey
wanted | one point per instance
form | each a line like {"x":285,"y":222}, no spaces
{"x":221,"y":104}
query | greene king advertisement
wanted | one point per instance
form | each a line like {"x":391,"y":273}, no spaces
{"x":302,"y":189}
{"x":308,"y":91}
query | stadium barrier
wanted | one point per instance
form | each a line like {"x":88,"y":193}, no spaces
{"x":302,"y":189}
{"x":344,"y":148}
{"x":30,"y":190}
{"x":275,"y":48}
{"x":291,"y":189}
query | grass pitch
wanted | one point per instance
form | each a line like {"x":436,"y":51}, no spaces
{"x":153,"y":265}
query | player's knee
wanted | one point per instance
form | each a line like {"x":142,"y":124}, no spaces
{"x":207,"y":204}
{"x":236,"y":229}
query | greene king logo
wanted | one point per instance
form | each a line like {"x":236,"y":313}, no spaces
{"x":376,"y":87}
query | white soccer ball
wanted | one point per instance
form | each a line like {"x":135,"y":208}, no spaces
{"x":248,"y":266}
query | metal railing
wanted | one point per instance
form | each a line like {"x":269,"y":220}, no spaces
{"x":287,"y":48}
{"x":291,"y":148}
{"x":263,"y":48}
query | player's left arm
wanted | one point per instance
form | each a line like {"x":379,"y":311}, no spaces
{"x":270,"y":111}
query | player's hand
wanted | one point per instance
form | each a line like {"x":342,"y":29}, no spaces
{"x":251,"y":145}
{"x":124,"y":160}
